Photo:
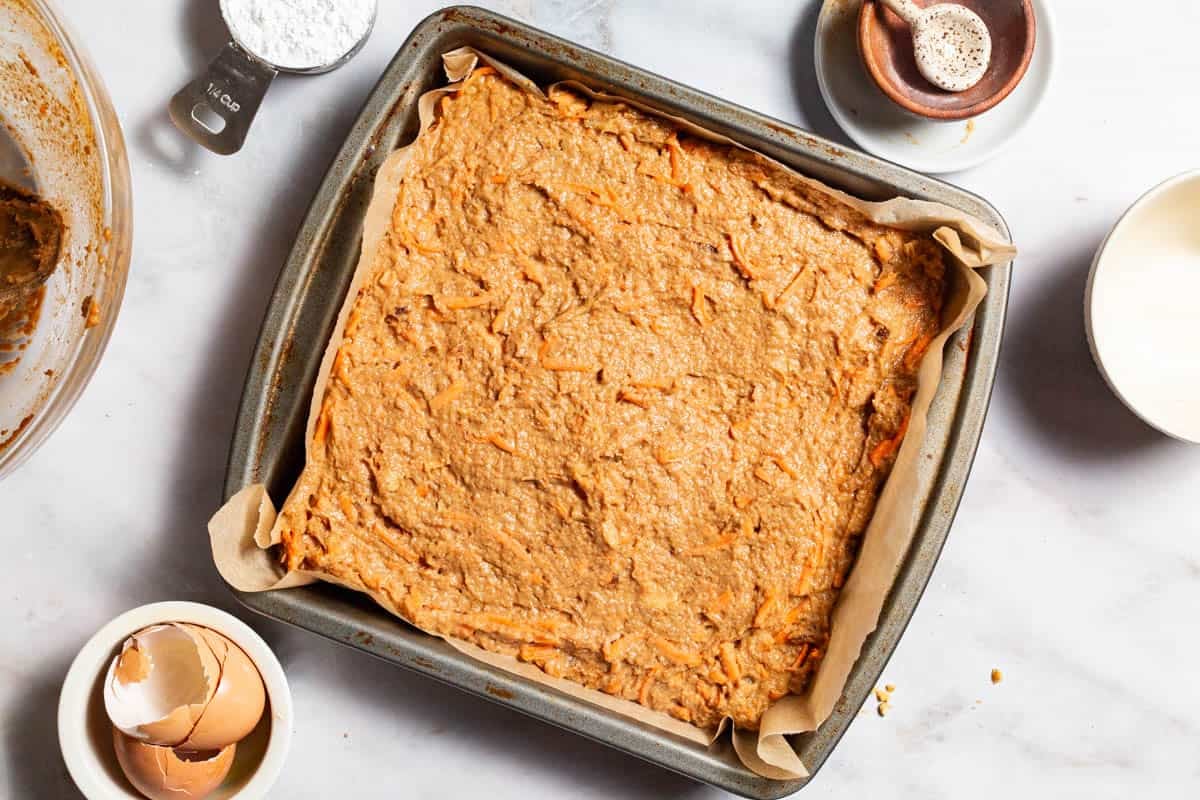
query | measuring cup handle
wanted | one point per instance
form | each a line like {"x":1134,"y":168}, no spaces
{"x":217,"y":108}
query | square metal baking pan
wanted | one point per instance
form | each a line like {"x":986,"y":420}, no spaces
{"x":268,"y":442}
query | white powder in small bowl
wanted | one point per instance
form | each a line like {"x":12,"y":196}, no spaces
{"x":298,"y":34}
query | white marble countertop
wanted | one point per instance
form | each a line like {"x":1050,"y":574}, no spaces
{"x":1074,"y":565}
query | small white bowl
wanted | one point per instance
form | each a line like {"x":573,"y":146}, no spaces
{"x":1142,"y":307}
{"x":85,"y":734}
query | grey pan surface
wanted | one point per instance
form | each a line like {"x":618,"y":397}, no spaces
{"x":268,"y":441}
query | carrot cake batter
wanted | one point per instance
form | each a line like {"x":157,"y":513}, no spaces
{"x":615,"y":401}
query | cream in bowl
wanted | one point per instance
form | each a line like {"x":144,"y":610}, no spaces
{"x":1141,"y":308}
{"x":175,"y":700}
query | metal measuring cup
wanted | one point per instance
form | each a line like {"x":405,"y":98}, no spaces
{"x":217,"y":108}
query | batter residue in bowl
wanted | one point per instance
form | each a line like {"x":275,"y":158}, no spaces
{"x":30,"y":241}
{"x":31,"y":236}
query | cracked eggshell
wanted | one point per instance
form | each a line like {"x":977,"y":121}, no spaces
{"x":87,"y":749}
{"x":163,"y":773}
{"x":160,"y":684}
{"x":238,"y":702}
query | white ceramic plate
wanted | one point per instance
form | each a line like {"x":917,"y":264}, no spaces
{"x":85,"y":734}
{"x":881,"y":127}
{"x":1141,"y":310}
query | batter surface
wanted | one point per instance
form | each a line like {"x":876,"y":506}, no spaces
{"x":615,"y":401}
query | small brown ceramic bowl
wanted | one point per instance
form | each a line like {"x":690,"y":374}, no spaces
{"x":885,"y":43}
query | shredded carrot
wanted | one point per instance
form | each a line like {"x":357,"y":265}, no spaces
{"x":719,"y":604}
{"x":739,"y":259}
{"x":498,"y":177}
{"x":499,"y":441}
{"x":339,"y":369}
{"x":558,"y":364}
{"x":913,"y":357}
{"x":762,"y":475}
{"x":788,"y":290}
{"x":479,"y":72}
{"x":884,"y":249}
{"x":736,"y":429}
{"x":394,"y":544}
{"x":801,"y":657}
{"x":612,"y":685}
{"x":768,"y":605}
{"x":729,"y":662}
{"x":675,"y":653}
{"x":604,"y":197}
{"x":885,"y":449}
{"x":348,"y":509}
{"x":742,"y":501}
{"x":352,"y":321}
{"x":545,"y":656}
{"x":615,"y":650}
{"x":680,"y":712}
{"x":447,"y":396}
{"x":811,"y":564}
{"x":500,"y":321}
{"x":647,"y":682}
{"x":420,"y":247}
{"x":626,"y":141}
{"x":324,"y":423}
{"x":514,"y":546}
{"x":699,"y":308}
{"x":676,"y":157}
{"x":570,"y":106}
{"x":796,"y":612}
{"x":626,"y":396}
{"x":665,"y":384}
{"x":721,"y":542}
{"x":458,"y":302}
{"x":452,"y":518}
{"x":664,"y":455}
{"x":783,"y":465}
{"x":533,"y":271}
{"x":884,"y":281}
{"x":423,"y":490}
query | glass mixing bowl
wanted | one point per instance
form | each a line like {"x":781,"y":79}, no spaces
{"x":60,"y":138}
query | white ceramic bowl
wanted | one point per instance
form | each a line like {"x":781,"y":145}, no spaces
{"x":1141,"y":307}
{"x":85,"y":734}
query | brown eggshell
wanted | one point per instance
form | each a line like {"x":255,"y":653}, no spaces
{"x":163,"y":773}
{"x":237,"y":704}
{"x":173,"y":727}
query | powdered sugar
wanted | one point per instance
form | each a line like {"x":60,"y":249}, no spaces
{"x":298,"y":34}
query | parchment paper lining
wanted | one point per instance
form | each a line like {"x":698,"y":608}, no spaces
{"x":243,"y":530}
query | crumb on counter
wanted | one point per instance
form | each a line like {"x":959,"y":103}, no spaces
{"x":884,"y":698}
{"x":997,"y":676}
